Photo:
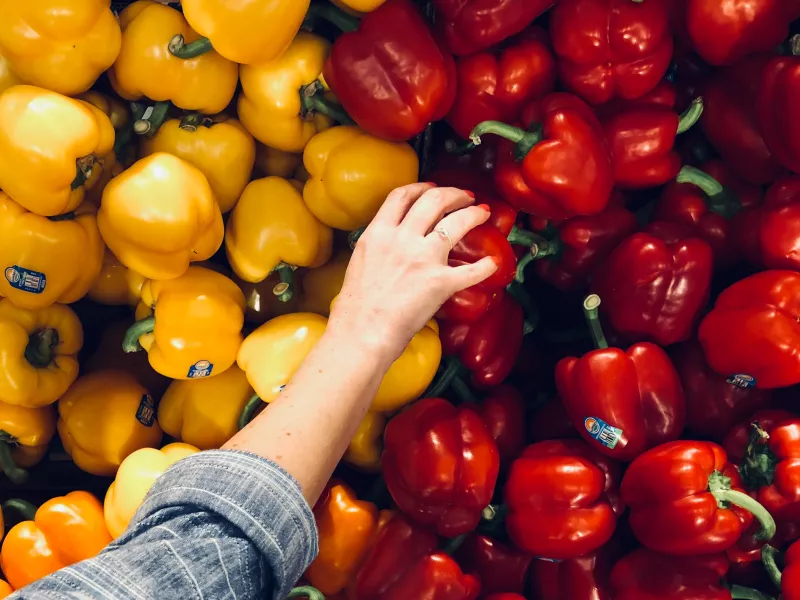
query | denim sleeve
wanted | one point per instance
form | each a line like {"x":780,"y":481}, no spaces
{"x":220,"y":524}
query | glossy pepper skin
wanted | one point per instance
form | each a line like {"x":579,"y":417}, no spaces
{"x":39,"y":353}
{"x":347,"y":527}
{"x":103,"y":418}
{"x":271,"y":225}
{"x":195,"y":330}
{"x":713,"y":405}
{"x":191,"y":411}
{"x":116,"y":285}
{"x":7,"y":77}
{"x":404,"y":563}
{"x":686,"y":500}
{"x":777,"y":225}
{"x":566,"y":166}
{"x":366,"y":446}
{"x":583,"y":578}
{"x":65,"y":530}
{"x":136,"y":475}
{"x":476,"y":25}
{"x":220,"y":147}
{"x":63,"y":46}
{"x":47,"y":260}
{"x":440,"y":465}
{"x":503,"y":413}
{"x":790,"y":578}
{"x":273,"y":105}
{"x":247,"y":32}
{"x":500,"y":567}
{"x":24,"y":435}
{"x":39,"y":168}
{"x":496,"y":85}
{"x":610,"y":49}
{"x":391,"y":75}
{"x":352,"y":172}
{"x":562,"y":499}
{"x":753,"y":330}
{"x":159,"y":216}
{"x":145,"y":69}
{"x":778,"y":93}
{"x":730,"y":120}
{"x":654,"y":289}
{"x":489,"y":346}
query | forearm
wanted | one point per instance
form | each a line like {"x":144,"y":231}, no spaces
{"x":307,"y":429}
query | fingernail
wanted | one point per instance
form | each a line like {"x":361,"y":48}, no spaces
{"x":485,"y":207}
{"x":470,"y":194}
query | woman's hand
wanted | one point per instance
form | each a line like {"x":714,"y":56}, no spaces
{"x":398,"y":276}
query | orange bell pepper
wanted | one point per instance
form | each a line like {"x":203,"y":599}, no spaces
{"x":63,"y":531}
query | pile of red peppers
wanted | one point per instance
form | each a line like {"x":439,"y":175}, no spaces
{"x":617,"y":411}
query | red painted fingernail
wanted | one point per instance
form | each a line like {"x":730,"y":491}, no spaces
{"x":470,"y":194}
{"x":485,"y":207}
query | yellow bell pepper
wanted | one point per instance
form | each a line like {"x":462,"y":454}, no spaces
{"x":61,"y":45}
{"x":271,"y":229}
{"x":220,"y":147}
{"x":271,"y":162}
{"x":261,"y":303}
{"x":273,"y":352}
{"x":117,"y":112}
{"x":136,"y":475}
{"x":160,"y":215}
{"x":144,"y":68}
{"x":117,"y":285}
{"x":38,"y":351}
{"x":323,"y":284}
{"x":195,"y":330}
{"x":103,"y":418}
{"x":24,"y":436}
{"x":48,"y":259}
{"x":359,"y":6}
{"x":364,"y":451}
{"x":352,"y":172}
{"x":7,"y":77}
{"x":50,"y":146}
{"x":205,"y":412}
{"x":273,"y":104}
{"x":247,"y":31}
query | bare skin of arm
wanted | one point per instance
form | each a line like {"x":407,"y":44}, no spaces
{"x":397,"y":279}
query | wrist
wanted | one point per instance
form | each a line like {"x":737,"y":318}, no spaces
{"x":362,"y":338}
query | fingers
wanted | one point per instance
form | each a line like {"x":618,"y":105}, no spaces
{"x":432,"y":206}
{"x":398,"y":202}
{"x":460,"y":278}
{"x":457,"y":224}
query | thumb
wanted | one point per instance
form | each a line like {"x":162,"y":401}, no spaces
{"x":460,"y":278}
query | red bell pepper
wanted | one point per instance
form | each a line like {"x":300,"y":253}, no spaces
{"x":562,"y":499}
{"x":500,"y":567}
{"x":653,"y":288}
{"x":559,"y":166}
{"x":642,"y":142}
{"x":404,"y":563}
{"x":622,"y":402}
{"x":776,"y":106}
{"x":645,"y":574}
{"x":752,"y":334}
{"x":726,"y":32}
{"x":369,"y":72}
{"x":685,"y":499}
{"x":473,"y":25}
{"x":611,"y":48}
{"x":779,"y":225}
{"x":568,"y":253}
{"x":440,"y":465}
{"x":503,"y":413}
{"x":489,"y":346}
{"x":713,"y":404}
{"x":730,"y":124}
{"x":582,"y":578}
{"x":496,"y":85}
{"x":787,"y":581}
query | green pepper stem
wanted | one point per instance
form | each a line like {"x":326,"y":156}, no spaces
{"x":769,"y":556}
{"x":23,"y":507}
{"x":334,"y":15}
{"x":690,"y":116}
{"x":452,"y":367}
{"x":306,"y":591}
{"x":180,"y":49}
{"x":529,"y":308}
{"x":462,"y":390}
{"x":192,"y":121}
{"x":459,"y":148}
{"x":16,"y":474}
{"x":83,"y":170}
{"x":525,"y":140}
{"x":354,"y":236}
{"x":744,"y":593}
{"x":794,"y":45}
{"x":452,"y":546}
{"x":149,"y":125}
{"x":39,"y":351}
{"x":720,"y":199}
{"x":523,"y":237}
{"x":590,"y":310}
{"x":313,"y":101}
{"x":751,"y":505}
{"x":248,"y":411}
{"x":538,"y":251}
{"x":130,"y":343}
{"x":285,"y":289}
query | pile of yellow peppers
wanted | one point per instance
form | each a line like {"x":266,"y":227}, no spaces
{"x":160,"y":166}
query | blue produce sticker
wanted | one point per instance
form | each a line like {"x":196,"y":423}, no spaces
{"x":602,"y":432}
{"x":743,"y":381}
{"x":26,"y":280}
{"x":200,"y":369}
{"x":146,"y":413}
